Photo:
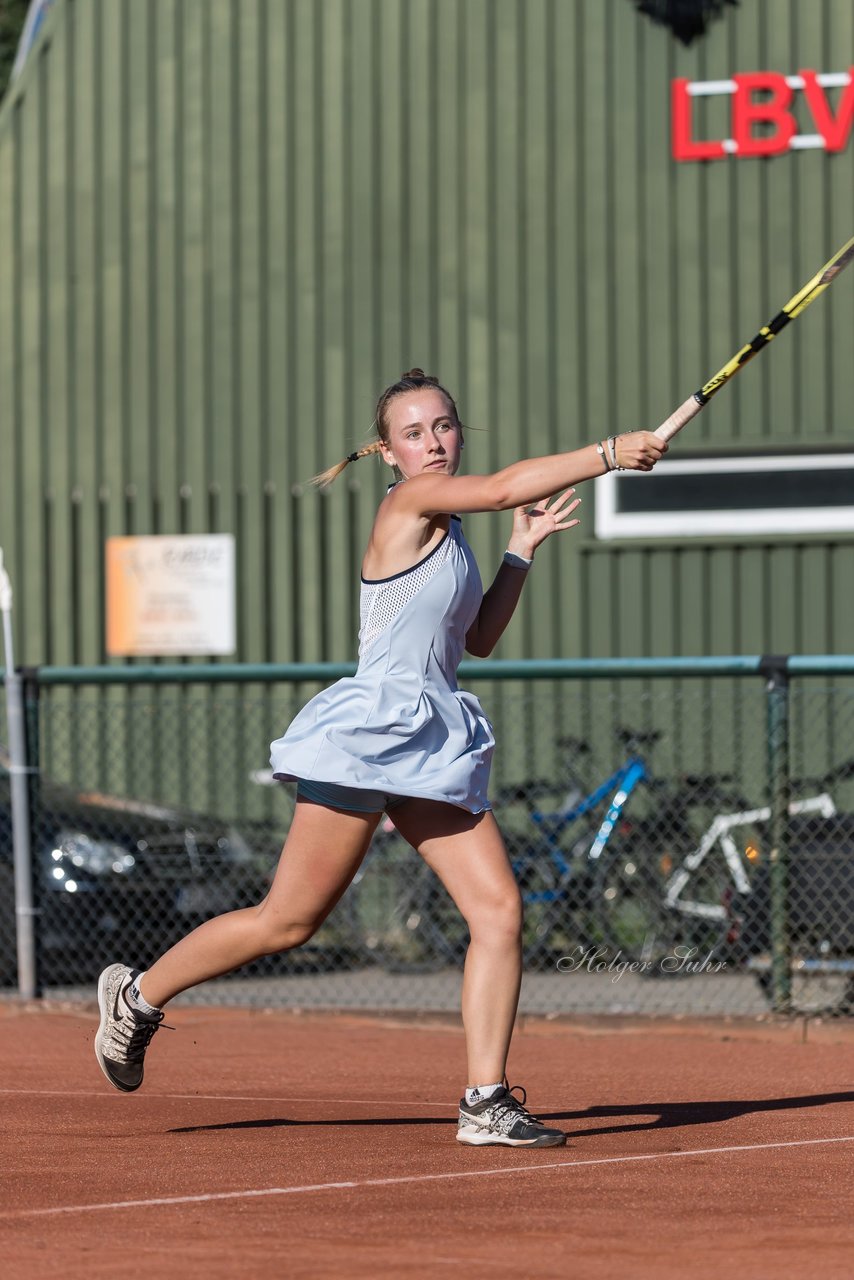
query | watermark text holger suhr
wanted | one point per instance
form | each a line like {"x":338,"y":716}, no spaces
{"x":681,"y":960}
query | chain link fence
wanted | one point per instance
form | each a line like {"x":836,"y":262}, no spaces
{"x":683,"y":840}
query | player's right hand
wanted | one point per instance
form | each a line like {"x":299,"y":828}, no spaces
{"x":639,"y":450}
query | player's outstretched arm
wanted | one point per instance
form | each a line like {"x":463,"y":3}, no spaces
{"x":523,"y":483}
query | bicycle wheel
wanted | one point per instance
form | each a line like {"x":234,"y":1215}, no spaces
{"x":707,"y":899}
{"x":545,"y":924}
{"x":628,"y":904}
{"x":399,"y":913}
{"x":657,"y":908}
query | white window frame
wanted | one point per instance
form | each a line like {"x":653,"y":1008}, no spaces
{"x":611,"y":523}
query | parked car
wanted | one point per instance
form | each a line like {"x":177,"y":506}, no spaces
{"x":116,"y":877}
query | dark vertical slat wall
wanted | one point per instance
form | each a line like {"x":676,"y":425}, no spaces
{"x":225,"y":225}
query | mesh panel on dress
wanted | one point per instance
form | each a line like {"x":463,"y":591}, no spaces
{"x":381,"y":602}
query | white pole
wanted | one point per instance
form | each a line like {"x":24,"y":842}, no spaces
{"x":19,"y":771}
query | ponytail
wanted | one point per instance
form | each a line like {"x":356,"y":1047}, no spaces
{"x":325,"y":478}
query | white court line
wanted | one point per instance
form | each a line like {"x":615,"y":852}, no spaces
{"x":229,"y":1097}
{"x":213,"y":1196}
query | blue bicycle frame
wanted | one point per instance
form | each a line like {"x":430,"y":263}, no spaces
{"x":622,"y":782}
{"x":626,"y":779}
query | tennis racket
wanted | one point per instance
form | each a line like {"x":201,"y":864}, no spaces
{"x":793,"y":307}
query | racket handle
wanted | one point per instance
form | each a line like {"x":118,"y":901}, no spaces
{"x":679,"y":418}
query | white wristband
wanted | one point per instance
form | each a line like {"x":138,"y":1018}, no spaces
{"x":517,"y":562}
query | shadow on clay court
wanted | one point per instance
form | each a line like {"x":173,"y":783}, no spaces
{"x":668,"y":1115}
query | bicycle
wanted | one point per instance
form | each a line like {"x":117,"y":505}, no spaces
{"x":557,"y":870}
{"x":652,"y":899}
{"x":403,"y":918}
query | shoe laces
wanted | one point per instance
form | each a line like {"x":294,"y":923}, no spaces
{"x":517,"y":1104}
{"x":140,"y":1038}
{"x":506,"y":1110}
{"x":137,"y":1036}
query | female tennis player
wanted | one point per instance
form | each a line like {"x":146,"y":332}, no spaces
{"x":401,"y":738}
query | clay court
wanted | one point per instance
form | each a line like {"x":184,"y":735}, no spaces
{"x":272,"y":1144}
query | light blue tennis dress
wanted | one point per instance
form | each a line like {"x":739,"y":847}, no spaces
{"x":401,"y":725}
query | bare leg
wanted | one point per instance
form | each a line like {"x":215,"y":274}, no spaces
{"x":320,"y":857}
{"x":467,"y":853}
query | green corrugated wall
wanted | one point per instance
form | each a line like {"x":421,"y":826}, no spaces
{"x":225,"y":225}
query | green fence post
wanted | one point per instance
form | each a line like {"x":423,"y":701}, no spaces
{"x":775,"y":668}
{"x":32,"y":701}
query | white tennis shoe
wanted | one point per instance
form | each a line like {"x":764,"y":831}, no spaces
{"x":502,"y":1120}
{"x":124,"y":1033}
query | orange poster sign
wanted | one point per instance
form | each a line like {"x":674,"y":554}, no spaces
{"x":170,"y":595}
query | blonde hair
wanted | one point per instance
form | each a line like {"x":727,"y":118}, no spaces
{"x":326,"y":477}
{"x":412,"y":380}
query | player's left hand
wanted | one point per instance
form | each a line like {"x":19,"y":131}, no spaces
{"x":533,"y":524}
